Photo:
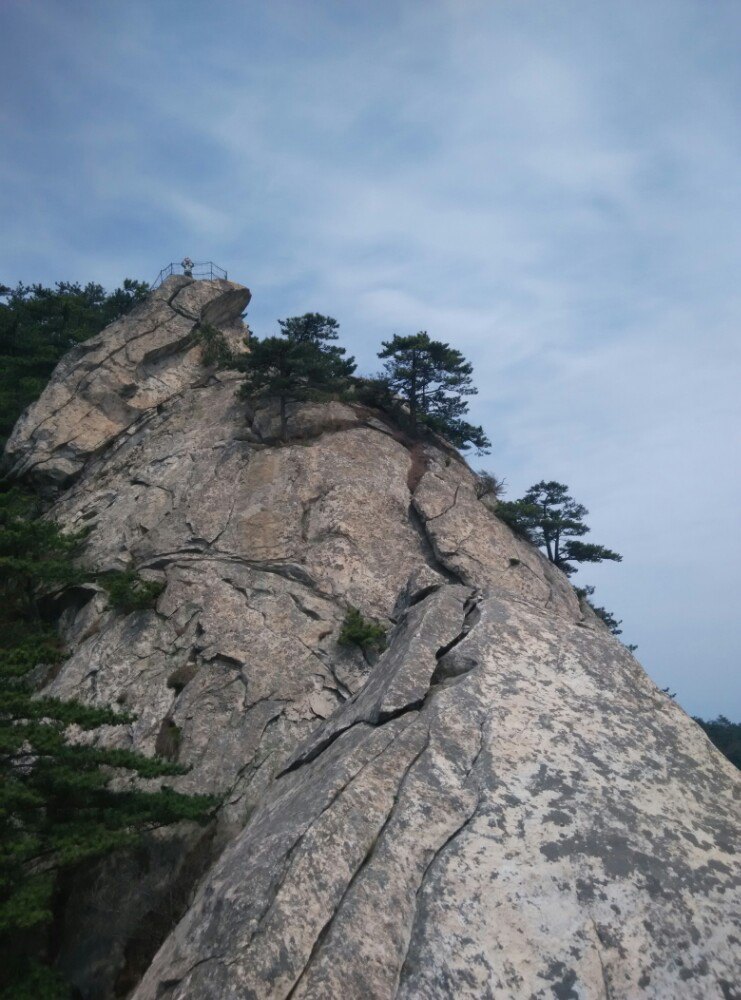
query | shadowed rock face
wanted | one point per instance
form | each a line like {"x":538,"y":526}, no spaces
{"x":503,"y":805}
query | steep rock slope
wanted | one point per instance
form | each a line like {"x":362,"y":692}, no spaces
{"x":503,"y":805}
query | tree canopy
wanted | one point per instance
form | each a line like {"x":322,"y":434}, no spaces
{"x":726,"y":736}
{"x":550,"y":518}
{"x":432,"y":378}
{"x":298,"y":365}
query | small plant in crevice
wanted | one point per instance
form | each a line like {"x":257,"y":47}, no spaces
{"x":215,"y":348}
{"x":361,"y":632}
{"x":128,"y":592}
{"x":613,"y":623}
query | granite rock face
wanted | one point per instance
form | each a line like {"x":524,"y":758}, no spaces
{"x":501,"y":805}
{"x":106,"y":383}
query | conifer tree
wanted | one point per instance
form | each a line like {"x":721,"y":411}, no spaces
{"x":299,"y":365}
{"x":57,"y":809}
{"x":38,"y":325}
{"x":548,"y":517}
{"x":432,"y":377}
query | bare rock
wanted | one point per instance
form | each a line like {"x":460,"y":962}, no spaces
{"x":106,"y":383}
{"x":479,"y":840}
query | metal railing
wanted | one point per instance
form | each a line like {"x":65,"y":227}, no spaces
{"x":203,"y":271}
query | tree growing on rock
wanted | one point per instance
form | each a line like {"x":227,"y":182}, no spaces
{"x":299,"y":365}
{"x":432,"y":378}
{"x":548,"y":517}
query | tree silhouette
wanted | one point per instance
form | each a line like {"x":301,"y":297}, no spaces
{"x":432,"y":378}
{"x":548,"y":517}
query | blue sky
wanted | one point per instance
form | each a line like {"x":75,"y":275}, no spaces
{"x":551,"y":185}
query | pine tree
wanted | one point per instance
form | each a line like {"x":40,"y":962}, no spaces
{"x":432,"y":378}
{"x":57,"y":809}
{"x":548,"y":517}
{"x":299,"y":365}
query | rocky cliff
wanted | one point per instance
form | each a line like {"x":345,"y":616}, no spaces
{"x":501,"y":805}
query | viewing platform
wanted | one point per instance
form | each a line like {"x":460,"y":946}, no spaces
{"x":201,"y":271}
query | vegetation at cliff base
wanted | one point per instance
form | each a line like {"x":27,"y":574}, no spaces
{"x":38,"y":325}
{"x":726,"y":736}
{"x":57,"y":807}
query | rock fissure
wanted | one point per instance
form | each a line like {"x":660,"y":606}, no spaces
{"x":280,"y":877}
{"x":430,"y":554}
{"x":466,"y":819}
{"x":357,"y":874}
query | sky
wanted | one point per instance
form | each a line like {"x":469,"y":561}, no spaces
{"x":552,"y":186}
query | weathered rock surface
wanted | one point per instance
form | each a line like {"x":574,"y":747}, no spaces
{"x":502,"y":806}
{"x":102,"y":386}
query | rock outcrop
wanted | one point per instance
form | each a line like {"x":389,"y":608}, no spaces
{"x":501,"y":805}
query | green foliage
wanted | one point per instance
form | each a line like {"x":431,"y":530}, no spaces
{"x":38,"y":325}
{"x":359,"y":631}
{"x":299,"y":365}
{"x":128,"y":592}
{"x":726,"y":736}
{"x":215,"y":348}
{"x":432,"y":378}
{"x":311,"y":328}
{"x":584,"y":593}
{"x":57,"y":810}
{"x":547,"y":516}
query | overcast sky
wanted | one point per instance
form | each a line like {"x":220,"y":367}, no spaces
{"x":550,"y":185}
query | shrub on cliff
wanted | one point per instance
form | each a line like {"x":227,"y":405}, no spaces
{"x":215,"y":349}
{"x":128,"y":592}
{"x":359,"y":631}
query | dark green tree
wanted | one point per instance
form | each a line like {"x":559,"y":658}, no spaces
{"x":311,"y":328}
{"x":726,"y":736}
{"x":300,"y":365}
{"x":432,"y":378}
{"x":57,"y":809}
{"x":38,"y":325}
{"x":548,"y":517}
